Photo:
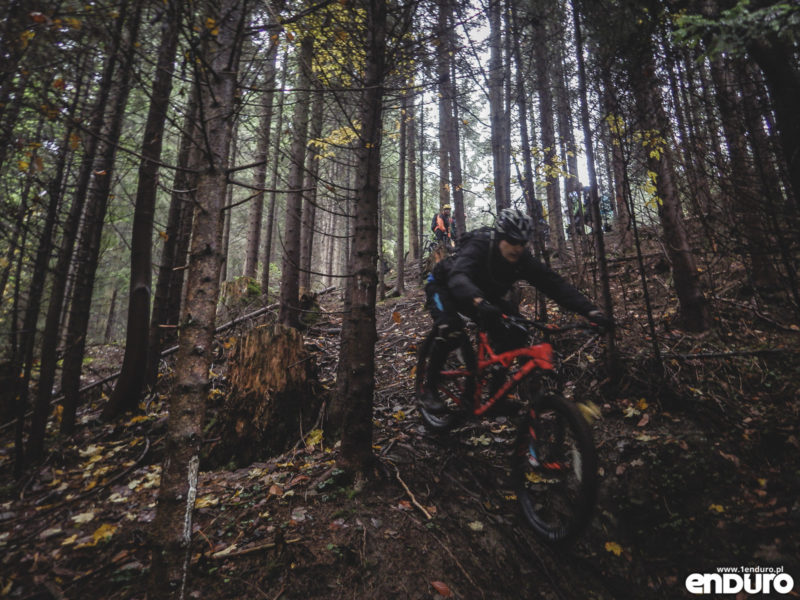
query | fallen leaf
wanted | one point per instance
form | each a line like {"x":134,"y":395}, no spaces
{"x":614,"y":548}
{"x":50,"y":532}
{"x":643,"y":421}
{"x":103,"y":532}
{"x":442,"y":589}
{"x":83,"y":517}
{"x":314,"y":437}
{"x":205,"y":501}
{"x":716,"y":508}
{"x":70,"y":540}
{"x":631,"y":412}
{"x":476,"y":526}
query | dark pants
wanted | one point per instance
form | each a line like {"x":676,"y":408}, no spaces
{"x":450,"y":328}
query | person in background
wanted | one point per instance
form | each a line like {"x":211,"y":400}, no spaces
{"x":443,"y":226}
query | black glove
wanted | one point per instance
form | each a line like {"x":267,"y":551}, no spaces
{"x":597,"y":317}
{"x":488,"y":312}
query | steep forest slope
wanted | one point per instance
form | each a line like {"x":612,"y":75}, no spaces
{"x":699,"y":470}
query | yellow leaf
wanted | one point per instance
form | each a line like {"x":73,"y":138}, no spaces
{"x":103,"y":533}
{"x":399,"y":415}
{"x":70,"y":540}
{"x":314,"y":437}
{"x":717,"y":508}
{"x":614,"y":548}
{"x":205,"y":501}
{"x":397,"y":317}
{"x":642,"y":404}
{"x":589,"y":410}
{"x":163,"y":235}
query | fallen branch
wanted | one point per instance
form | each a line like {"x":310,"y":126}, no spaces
{"x":410,"y":494}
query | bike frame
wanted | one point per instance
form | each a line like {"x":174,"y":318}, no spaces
{"x":540,"y":356}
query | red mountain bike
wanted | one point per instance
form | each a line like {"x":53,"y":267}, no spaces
{"x":554,"y":462}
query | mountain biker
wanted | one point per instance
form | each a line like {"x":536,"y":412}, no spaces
{"x":473,"y":281}
{"x":443,"y":226}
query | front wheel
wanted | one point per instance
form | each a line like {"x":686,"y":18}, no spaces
{"x":456,"y":387}
{"x":555,"y":469}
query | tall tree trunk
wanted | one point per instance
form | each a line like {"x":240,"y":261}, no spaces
{"x":89,"y":243}
{"x":290,"y":266}
{"x":501,"y":151}
{"x":543,"y":77}
{"x":25,"y":338}
{"x":356,"y":371}
{"x":262,"y":156}
{"x":50,"y":335}
{"x":451,"y":134}
{"x":216,"y":77}
{"x":741,"y":185}
{"x":411,"y":161}
{"x":310,"y":190}
{"x":401,"y":198}
{"x":608,"y":302}
{"x":227,"y":211}
{"x":276,"y":161}
{"x":783,"y":80}
{"x":132,"y":376}
{"x":445,"y":106}
{"x":693,"y":308}
{"x":169,"y":285}
{"x":532,"y":203}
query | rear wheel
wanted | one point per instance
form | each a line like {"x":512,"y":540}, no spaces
{"x":555,"y":469}
{"x":456,"y":382}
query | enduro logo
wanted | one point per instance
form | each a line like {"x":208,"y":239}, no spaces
{"x":732,"y":580}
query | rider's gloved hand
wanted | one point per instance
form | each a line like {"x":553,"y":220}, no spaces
{"x":488,"y":312}
{"x":597,"y":317}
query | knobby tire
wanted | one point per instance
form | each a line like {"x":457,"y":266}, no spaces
{"x":555,"y":469}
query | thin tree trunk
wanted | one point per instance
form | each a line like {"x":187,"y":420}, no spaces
{"x":356,"y":371}
{"x":262,"y":156}
{"x":172,"y":527}
{"x":608,"y":302}
{"x":401,"y":198}
{"x":543,"y":76}
{"x":169,"y":285}
{"x":445,"y":106}
{"x":24,"y":339}
{"x":413,"y":214}
{"x":50,"y":335}
{"x":130,"y":383}
{"x":693,"y":308}
{"x":112,"y":307}
{"x":499,"y":132}
{"x":532,"y":203}
{"x":310,"y":190}
{"x":276,"y":161}
{"x":290,"y":265}
{"x":89,"y":244}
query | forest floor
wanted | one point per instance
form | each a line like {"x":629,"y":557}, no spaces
{"x":700,"y":470}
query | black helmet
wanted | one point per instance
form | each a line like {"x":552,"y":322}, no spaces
{"x":514,"y":224}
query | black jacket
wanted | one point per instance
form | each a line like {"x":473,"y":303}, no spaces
{"x":478,"y":269}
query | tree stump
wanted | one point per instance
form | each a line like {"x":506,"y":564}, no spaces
{"x":274,"y":396}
